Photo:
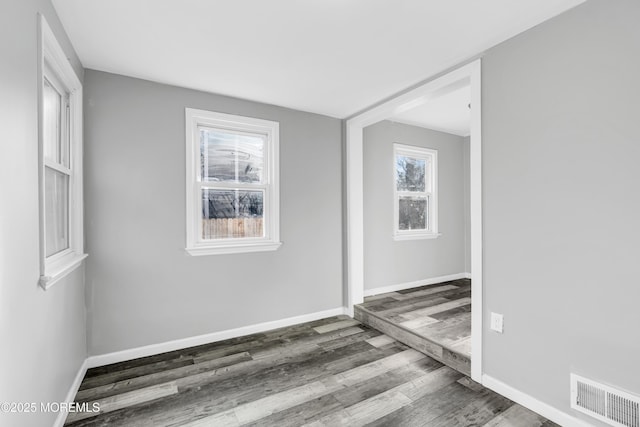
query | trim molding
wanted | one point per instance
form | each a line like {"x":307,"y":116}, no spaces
{"x":71,"y":395}
{"x":150,"y":350}
{"x":417,"y":283}
{"x":475,"y":208}
{"x":530,"y":402}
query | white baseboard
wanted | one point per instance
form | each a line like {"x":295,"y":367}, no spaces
{"x":150,"y":350}
{"x":547,"y":411}
{"x":417,"y":283}
{"x":71,"y":394}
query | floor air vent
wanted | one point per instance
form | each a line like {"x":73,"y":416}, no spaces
{"x":605,"y":403}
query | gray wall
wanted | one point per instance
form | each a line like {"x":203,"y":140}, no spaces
{"x":388,"y":262}
{"x":561,"y":201}
{"x":143,"y":288}
{"x":42,"y":332}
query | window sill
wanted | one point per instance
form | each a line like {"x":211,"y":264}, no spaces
{"x":60,"y":268}
{"x":237,"y":248}
{"x":416,"y":236}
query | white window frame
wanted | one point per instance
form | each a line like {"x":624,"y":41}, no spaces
{"x":431,"y":161}
{"x":55,"y":67}
{"x":195,"y":245}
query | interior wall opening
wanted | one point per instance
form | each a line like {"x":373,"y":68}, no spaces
{"x":424,"y":286}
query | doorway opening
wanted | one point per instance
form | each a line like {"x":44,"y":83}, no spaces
{"x":467,"y":76}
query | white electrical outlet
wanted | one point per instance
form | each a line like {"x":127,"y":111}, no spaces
{"x":497,"y":322}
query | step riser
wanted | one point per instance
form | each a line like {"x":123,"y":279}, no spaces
{"x":454,"y":360}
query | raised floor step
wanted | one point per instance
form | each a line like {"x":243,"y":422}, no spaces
{"x":456,"y":360}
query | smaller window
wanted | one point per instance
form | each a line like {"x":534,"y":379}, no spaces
{"x":60,"y":165}
{"x":415,"y":192}
{"x":232,"y":183}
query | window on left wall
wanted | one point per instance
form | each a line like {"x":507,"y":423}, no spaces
{"x":60,"y":161}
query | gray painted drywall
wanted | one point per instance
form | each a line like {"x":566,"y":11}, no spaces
{"x":466,"y":169}
{"x":142,"y":286}
{"x":560,"y":185}
{"x":389,"y":262}
{"x":42,"y":332}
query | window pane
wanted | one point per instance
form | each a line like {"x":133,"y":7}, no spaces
{"x":65,"y":140}
{"x":232,"y":214}
{"x":51,"y":132}
{"x":56,"y":211}
{"x":412,"y":213}
{"x":410,"y":173}
{"x":230,"y":156}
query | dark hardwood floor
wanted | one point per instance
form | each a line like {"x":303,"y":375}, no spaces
{"x":331,"y":372}
{"x":434,"y":319}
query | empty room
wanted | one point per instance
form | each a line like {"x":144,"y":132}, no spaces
{"x":291,"y":213}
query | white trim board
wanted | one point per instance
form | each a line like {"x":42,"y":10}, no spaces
{"x":475,"y":207}
{"x":544,"y":409}
{"x":150,"y":350}
{"x":71,"y":394}
{"x":415,"y":284}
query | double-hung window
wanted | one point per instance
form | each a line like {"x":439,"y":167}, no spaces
{"x":60,"y":165}
{"x":232,"y":183}
{"x":415,"y":192}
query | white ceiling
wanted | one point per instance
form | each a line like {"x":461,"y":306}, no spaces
{"x":448,"y":113}
{"x":334,"y":57}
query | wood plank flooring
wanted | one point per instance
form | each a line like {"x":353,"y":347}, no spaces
{"x":331,"y":372}
{"x":434,"y":319}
